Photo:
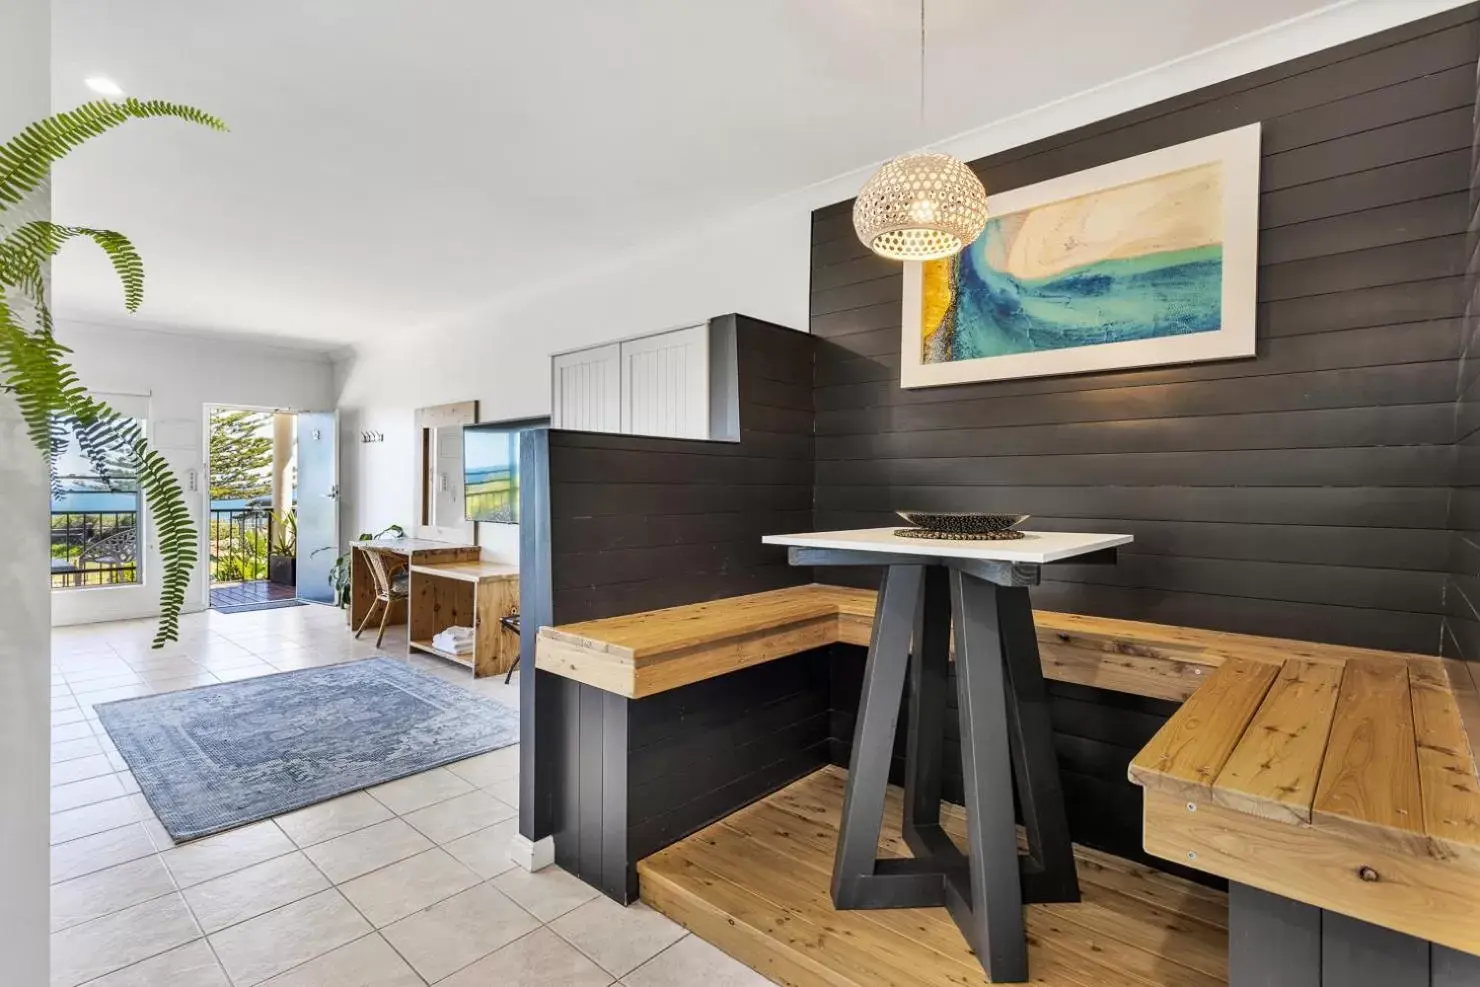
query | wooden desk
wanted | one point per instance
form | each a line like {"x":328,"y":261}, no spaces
{"x":416,"y":550}
{"x":1328,"y":789}
{"x":471,"y":594}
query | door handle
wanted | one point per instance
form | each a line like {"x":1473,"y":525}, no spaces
{"x":333,"y":493}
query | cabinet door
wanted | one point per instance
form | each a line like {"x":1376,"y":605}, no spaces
{"x":586,"y":389}
{"x":665,"y":384}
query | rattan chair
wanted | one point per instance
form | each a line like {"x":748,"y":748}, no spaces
{"x":386,"y":568}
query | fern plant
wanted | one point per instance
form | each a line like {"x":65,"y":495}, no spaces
{"x":33,"y":364}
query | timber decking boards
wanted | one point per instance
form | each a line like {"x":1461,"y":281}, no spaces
{"x":1349,"y":785}
{"x":755,"y":884}
{"x":641,"y":654}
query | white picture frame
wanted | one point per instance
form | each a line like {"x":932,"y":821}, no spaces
{"x":1238,"y":152}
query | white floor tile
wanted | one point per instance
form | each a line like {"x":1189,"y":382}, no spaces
{"x":486,"y":852}
{"x":282,"y":939}
{"x":692,"y":961}
{"x":80,"y":793}
{"x":99,"y":852}
{"x":417,"y":791}
{"x":99,"y":817}
{"x":102,"y":893}
{"x":366,"y":962}
{"x":545,"y":894}
{"x":486,"y":769}
{"x":506,"y":791}
{"x":112,"y":694}
{"x":256,"y":670}
{"x":157,"y":833}
{"x":68,"y":750}
{"x":175,"y":683}
{"x":347,"y":857}
{"x":540,"y":959}
{"x":61,"y":719}
{"x":103,"y":945}
{"x":333,"y":818}
{"x":92,"y":766}
{"x":454,"y":933}
{"x":408,"y":886}
{"x":254,"y":890}
{"x":459,"y":816}
{"x":195,"y":863}
{"x":193,"y":965}
{"x":618,"y":939}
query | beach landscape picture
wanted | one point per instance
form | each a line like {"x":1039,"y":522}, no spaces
{"x":1088,"y":271}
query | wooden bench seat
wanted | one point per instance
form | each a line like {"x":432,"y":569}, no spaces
{"x":1343,"y":779}
{"x":642,"y":654}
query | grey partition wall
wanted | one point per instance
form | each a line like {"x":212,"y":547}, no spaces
{"x":631,"y":523}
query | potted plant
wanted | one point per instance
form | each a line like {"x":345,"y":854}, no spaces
{"x":339,"y":571}
{"x":282,"y":552}
{"x":33,"y":363}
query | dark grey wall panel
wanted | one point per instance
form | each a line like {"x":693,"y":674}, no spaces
{"x":634,"y":523}
{"x":1462,"y":589}
{"x":643,"y":523}
{"x":1343,"y":423}
{"x":1306,"y":493}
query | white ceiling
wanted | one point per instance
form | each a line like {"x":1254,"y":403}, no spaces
{"x":392,"y":164}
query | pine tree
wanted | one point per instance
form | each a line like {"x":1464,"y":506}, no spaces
{"x":241,"y":458}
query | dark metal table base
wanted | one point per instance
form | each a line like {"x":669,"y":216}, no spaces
{"x":1006,"y":745}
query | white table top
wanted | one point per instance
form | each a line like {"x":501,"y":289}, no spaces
{"x":1035,"y":546}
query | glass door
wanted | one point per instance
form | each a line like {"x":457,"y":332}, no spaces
{"x":318,"y":503}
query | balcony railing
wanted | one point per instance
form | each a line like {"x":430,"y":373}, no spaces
{"x":76,"y":537}
{"x":99,"y":548}
{"x":240,"y":539}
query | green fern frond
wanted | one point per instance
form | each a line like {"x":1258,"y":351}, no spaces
{"x":24,"y":254}
{"x":100,"y":431}
{"x":26,"y":159}
{"x":53,"y":403}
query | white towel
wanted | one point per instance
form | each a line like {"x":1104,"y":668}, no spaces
{"x":456,"y":643}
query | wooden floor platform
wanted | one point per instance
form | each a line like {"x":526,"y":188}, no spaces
{"x":755,"y":884}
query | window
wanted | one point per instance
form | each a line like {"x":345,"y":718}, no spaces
{"x":97,"y":511}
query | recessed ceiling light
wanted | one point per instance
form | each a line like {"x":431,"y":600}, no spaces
{"x":104,"y":86}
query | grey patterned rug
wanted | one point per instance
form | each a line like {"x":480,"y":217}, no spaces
{"x":221,"y":756}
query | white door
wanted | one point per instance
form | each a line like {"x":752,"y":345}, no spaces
{"x":318,"y":503}
{"x":586,"y":389}
{"x":665,"y":384}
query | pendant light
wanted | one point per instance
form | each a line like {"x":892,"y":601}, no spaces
{"x":923,"y":205}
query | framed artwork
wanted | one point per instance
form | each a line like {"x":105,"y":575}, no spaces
{"x":1145,"y":261}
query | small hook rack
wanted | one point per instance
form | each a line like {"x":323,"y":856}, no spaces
{"x":367,"y":437}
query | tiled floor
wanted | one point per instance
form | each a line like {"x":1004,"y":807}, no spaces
{"x":402,"y":885}
{"x":256,"y":591}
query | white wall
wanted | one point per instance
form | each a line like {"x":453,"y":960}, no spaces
{"x":181,"y":375}
{"x":757,"y":265}
{"x":25,"y":655}
{"x":755,"y":262}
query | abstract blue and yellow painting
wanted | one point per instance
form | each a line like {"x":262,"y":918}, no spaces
{"x":1139,"y":261}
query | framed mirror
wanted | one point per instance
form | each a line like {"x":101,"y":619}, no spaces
{"x":440,"y":513}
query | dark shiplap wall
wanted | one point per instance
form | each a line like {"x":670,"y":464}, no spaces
{"x":644,"y":523}
{"x":1462,"y":592}
{"x":1304,"y":493}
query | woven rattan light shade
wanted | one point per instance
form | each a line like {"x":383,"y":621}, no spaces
{"x":920,"y":207}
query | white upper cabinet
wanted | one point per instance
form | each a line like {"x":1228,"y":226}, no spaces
{"x":676,"y":384}
{"x":665,"y":384}
{"x":586,"y":389}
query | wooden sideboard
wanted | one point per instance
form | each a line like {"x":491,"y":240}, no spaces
{"x":471,"y":594}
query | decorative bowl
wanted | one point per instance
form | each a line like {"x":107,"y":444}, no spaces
{"x":962,"y":522}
